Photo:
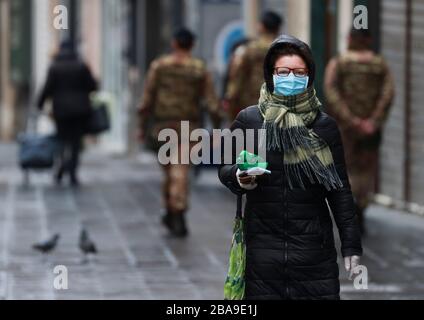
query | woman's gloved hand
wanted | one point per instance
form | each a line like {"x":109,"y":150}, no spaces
{"x":245,"y":181}
{"x":351,"y":262}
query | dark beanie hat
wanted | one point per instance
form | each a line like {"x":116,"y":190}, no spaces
{"x":301,"y":48}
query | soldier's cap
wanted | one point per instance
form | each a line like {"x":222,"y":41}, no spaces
{"x":301,"y":48}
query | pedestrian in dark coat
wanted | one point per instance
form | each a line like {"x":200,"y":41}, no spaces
{"x":69,"y":84}
{"x":290,"y":249}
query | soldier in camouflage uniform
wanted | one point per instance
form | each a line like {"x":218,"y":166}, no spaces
{"x":245,"y":76}
{"x":176,"y":85}
{"x":359,"y":90}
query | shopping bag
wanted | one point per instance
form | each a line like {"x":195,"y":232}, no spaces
{"x":234,"y":287}
{"x":99,"y":120}
{"x":37,"y":152}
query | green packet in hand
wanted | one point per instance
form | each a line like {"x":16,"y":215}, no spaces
{"x":247,"y":160}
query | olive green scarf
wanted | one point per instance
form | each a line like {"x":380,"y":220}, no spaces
{"x":286,"y":121}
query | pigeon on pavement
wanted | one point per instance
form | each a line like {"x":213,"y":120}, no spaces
{"x":86,"y":245}
{"x":47,"y":246}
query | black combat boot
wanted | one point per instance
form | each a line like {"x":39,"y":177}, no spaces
{"x":180,"y":227}
{"x":166,"y":220}
{"x":175,"y":222}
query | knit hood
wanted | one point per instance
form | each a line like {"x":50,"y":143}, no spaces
{"x":303,"y":50}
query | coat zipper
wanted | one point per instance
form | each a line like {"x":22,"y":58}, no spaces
{"x":285,"y":239}
{"x":321,"y":232}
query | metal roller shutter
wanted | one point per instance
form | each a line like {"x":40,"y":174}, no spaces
{"x":393,"y":22}
{"x":417,"y":102}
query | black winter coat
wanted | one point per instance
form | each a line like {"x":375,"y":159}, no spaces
{"x":289,"y":234}
{"x":69,"y":83}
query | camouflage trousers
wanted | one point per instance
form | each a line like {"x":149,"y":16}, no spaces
{"x":175,"y":188}
{"x":361,"y":163}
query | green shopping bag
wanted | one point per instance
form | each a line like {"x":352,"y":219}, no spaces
{"x":235,"y":283}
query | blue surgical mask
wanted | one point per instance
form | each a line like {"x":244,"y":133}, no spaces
{"x":290,"y":85}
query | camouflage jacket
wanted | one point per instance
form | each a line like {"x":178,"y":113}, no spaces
{"x":358,"y":86}
{"x":174,"y":92}
{"x":246,"y":74}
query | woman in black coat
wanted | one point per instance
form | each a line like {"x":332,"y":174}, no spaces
{"x":69,"y":84}
{"x":290,"y":250}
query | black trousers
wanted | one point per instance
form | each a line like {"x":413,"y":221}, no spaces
{"x":69,"y":157}
{"x":70,"y":133}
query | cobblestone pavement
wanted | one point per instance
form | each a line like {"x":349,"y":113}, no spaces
{"x":119,"y":204}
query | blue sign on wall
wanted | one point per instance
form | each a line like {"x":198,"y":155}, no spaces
{"x":229,"y":35}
